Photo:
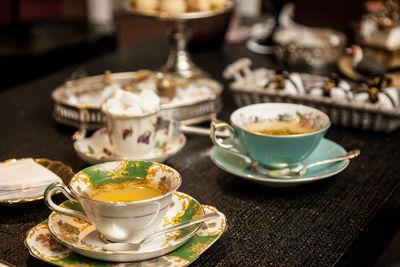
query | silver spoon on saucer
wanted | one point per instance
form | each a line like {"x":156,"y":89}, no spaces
{"x":301,"y":170}
{"x":132,"y":247}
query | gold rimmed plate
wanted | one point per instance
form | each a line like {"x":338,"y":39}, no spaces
{"x":82,"y":237}
{"x":62,"y":170}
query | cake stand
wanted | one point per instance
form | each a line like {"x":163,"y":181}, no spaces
{"x":179,"y":60}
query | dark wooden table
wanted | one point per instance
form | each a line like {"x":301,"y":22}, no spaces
{"x":346,"y":220}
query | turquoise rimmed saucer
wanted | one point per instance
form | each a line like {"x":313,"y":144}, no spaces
{"x":237,"y":165}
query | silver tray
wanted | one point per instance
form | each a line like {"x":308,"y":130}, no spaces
{"x":90,"y":117}
{"x":301,"y":45}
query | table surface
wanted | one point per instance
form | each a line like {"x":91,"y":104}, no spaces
{"x":318,"y":224}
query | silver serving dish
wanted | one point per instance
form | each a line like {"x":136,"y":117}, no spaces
{"x":301,"y":45}
{"x":89,"y":116}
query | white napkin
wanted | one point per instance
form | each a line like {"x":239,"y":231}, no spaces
{"x":25,"y":174}
{"x":22,"y":194}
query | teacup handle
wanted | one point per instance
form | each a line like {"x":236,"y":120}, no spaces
{"x":55,"y":187}
{"x":155,"y":215}
{"x":215,"y":125}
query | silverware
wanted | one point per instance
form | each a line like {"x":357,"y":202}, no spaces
{"x":132,"y":247}
{"x":301,"y":169}
{"x":175,"y":127}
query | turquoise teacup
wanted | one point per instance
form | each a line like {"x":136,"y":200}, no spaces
{"x":277,"y":135}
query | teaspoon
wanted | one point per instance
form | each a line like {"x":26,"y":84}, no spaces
{"x":132,"y":247}
{"x":295,"y":172}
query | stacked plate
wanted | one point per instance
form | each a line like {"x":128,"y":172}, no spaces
{"x":55,"y":239}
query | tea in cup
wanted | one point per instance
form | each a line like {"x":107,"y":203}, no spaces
{"x":132,"y":122}
{"x":124,"y":200}
{"x":277,"y":135}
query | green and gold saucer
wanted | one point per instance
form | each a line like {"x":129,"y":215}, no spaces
{"x":56,"y":239}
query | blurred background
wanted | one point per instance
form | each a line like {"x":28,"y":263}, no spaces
{"x":42,"y":36}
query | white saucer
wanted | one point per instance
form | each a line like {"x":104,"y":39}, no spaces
{"x":97,"y":148}
{"x":81,"y":237}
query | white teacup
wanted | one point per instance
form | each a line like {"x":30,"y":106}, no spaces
{"x":121,"y":221}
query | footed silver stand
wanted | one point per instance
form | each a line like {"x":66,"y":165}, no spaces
{"x":179,"y":61}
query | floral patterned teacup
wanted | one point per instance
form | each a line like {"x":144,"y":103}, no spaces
{"x":132,"y":135}
{"x":278,"y":135}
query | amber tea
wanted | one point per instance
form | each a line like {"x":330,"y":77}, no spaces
{"x":125,"y":192}
{"x":277,"y":127}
